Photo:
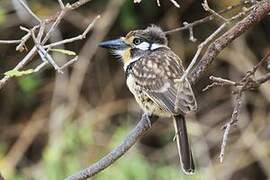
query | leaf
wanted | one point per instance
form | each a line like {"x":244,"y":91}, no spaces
{"x":64,"y":51}
{"x":16,"y":73}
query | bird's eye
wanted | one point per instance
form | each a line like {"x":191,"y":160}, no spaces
{"x":137,"y":41}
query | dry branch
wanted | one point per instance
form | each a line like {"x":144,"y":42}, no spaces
{"x":260,"y":10}
{"x":245,"y":84}
{"x":176,"y":4}
{"x":39,"y":47}
{"x":207,"y":18}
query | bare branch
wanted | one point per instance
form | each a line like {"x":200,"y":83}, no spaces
{"x":246,"y":83}
{"x":158,"y":2}
{"x":260,"y":10}
{"x":227,"y":127}
{"x":10,"y":41}
{"x":69,"y":62}
{"x":21,"y":64}
{"x":79,"y":37}
{"x":263,"y":79}
{"x":54,"y":25}
{"x":206,"y":19}
{"x":219,"y":82}
{"x":39,"y":47}
{"x":191,"y":34}
{"x":142,"y":126}
{"x":61,"y":4}
{"x":207,"y":8}
{"x":78,"y":4}
{"x":29,"y":10}
{"x":200,"y":48}
{"x":175,"y":3}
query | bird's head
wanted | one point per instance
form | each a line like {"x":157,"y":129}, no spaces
{"x":137,"y":43}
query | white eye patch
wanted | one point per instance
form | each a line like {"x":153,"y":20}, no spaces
{"x":155,"y":46}
{"x":143,"y":46}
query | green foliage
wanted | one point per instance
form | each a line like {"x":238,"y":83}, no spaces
{"x":64,"y":51}
{"x":133,"y":166}
{"x":61,"y":159}
{"x":28,"y":84}
{"x":17,"y":73}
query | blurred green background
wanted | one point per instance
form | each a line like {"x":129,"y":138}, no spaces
{"x":52,"y":125}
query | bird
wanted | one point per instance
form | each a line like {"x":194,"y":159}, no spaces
{"x":153,"y":73}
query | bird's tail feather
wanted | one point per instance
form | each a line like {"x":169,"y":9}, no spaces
{"x":183,"y":146}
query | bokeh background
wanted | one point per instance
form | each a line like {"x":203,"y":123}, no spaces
{"x":52,"y":125}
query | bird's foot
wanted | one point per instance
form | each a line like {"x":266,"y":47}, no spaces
{"x":147,"y":117}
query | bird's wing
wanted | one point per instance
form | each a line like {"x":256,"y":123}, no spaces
{"x":157,"y":74}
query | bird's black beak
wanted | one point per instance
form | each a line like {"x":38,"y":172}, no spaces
{"x":113,"y":44}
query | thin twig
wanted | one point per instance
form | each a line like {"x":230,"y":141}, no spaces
{"x":39,"y":46}
{"x":62,"y":6}
{"x":206,"y":19}
{"x":200,"y":48}
{"x":246,"y":83}
{"x":39,"y":67}
{"x":79,"y":37}
{"x":69,"y":62}
{"x":207,"y":8}
{"x":263,"y":79}
{"x":21,"y":64}
{"x":78,"y":4}
{"x":261,"y":9}
{"x":158,"y":3}
{"x":194,"y":60}
{"x":54,"y":25}
{"x":191,"y":34}
{"x":29,"y":10}
{"x":175,"y":3}
{"x":227,"y":127}
{"x":10,"y":41}
{"x":218,"y":81}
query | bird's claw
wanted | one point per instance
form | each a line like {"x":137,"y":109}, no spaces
{"x":147,"y":116}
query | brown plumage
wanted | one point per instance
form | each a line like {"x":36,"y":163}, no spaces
{"x":153,"y":71}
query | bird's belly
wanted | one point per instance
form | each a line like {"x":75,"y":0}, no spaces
{"x":145,"y":102}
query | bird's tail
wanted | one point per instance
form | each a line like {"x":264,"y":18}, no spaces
{"x":184,"y":150}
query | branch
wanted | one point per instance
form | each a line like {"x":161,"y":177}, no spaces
{"x":39,"y":43}
{"x":158,"y":2}
{"x":245,"y":84}
{"x":261,"y":9}
{"x":227,"y":126}
{"x":206,"y":19}
{"x":29,"y":10}
{"x":140,"y":129}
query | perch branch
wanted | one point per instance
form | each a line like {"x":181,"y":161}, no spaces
{"x":140,"y":129}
